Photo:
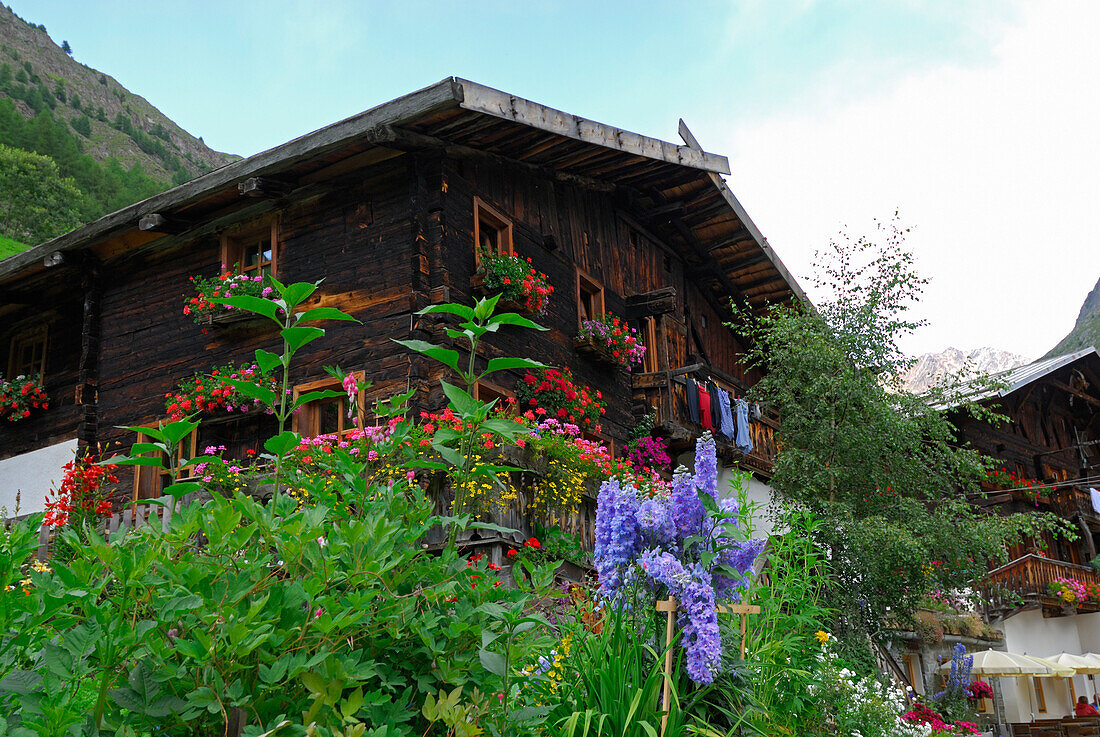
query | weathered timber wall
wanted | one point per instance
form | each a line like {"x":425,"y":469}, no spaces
{"x":357,"y":236}
{"x":593,"y":232}
{"x":60,"y":309}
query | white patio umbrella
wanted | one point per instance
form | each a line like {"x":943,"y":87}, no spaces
{"x":1079,"y":663}
{"x":1001,"y":664}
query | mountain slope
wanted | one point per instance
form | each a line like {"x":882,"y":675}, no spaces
{"x":931,"y":368}
{"x":110,"y":121}
{"x":1086,"y":331}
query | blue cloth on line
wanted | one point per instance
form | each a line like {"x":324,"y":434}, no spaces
{"x":725,"y":425}
{"x":744,"y":438}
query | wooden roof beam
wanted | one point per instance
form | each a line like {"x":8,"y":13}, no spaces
{"x":482,"y":99}
{"x":155,"y":222}
{"x":264,"y":187}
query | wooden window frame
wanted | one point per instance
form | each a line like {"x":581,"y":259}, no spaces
{"x":1040,"y":699}
{"x":306,"y":421}
{"x":485,"y":391}
{"x":601,"y":438}
{"x":162,"y":477}
{"x":648,"y":334}
{"x":588,"y":285}
{"x":32,"y":336}
{"x":233,"y":242}
{"x":908,"y":659}
{"x":501,"y":223}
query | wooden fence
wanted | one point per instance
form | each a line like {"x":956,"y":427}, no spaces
{"x":148,"y":512}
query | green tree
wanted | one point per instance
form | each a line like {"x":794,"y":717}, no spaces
{"x":36,"y":202}
{"x":881,"y":467}
{"x":67,"y":48}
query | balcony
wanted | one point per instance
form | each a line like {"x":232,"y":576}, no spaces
{"x":665,"y":392}
{"x":1071,"y":501}
{"x":1023,"y":584}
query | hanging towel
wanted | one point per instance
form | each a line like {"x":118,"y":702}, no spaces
{"x":693,"y":399}
{"x":744,"y":438}
{"x":715,"y":406}
{"x":1095,"y":500}
{"x":704,"y":409}
{"x":726,"y":428}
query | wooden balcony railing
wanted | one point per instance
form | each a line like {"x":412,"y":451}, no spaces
{"x":665,"y":391}
{"x":1029,"y":577}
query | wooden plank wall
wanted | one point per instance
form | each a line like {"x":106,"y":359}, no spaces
{"x":590,"y":232}
{"x":61,"y":310}
{"x":357,"y":236}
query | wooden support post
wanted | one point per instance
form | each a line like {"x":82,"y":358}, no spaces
{"x":157,"y":223}
{"x":668,"y":606}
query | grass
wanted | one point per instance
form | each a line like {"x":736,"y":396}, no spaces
{"x":9,"y":247}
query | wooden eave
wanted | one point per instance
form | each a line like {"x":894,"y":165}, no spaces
{"x":709,"y":226}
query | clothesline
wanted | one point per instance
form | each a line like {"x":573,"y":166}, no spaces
{"x":711,"y":407}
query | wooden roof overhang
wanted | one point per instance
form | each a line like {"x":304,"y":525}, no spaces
{"x":680,"y":184}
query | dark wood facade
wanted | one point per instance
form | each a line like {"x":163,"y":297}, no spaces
{"x":1052,"y":439}
{"x":382,"y":208}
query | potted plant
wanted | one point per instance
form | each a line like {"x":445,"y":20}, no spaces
{"x":209,"y":393}
{"x":611,"y":340}
{"x":21,"y":396}
{"x":225,"y":284}
{"x":521,"y":288}
{"x":552,"y":393}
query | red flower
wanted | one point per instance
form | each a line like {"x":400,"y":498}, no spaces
{"x":532,"y":543}
{"x":512,"y":553}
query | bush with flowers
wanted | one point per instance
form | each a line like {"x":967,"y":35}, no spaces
{"x":612,"y":336}
{"x":516,"y":281}
{"x":854,"y":705}
{"x":686,"y":545}
{"x":553,"y":393}
{"x":20,"y":396}
{"x":1068,"y":590}
{"x":649,"y":452}
{"x":211,"y":394}
{"x":226,"y":284}
{"x":83,"y":495}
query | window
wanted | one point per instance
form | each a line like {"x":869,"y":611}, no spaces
{"x":648,"y":336}
{"x":485,"y":391}
{"x":589,"y":297}
{"x":328,"y":416}
{"x":28,"y":353}
{"x":913,"y":671}
{"x":1040,"y":700}
{"x":150,"y":481}
{"x":492,"y":231}
{"x":254,"y":252}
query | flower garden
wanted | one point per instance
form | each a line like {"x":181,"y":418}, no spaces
{"x":322,"y":610}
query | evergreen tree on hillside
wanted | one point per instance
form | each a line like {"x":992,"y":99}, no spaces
{"x":66,"y":48}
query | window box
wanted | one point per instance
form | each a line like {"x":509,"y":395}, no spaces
{"x":230,"y":317}
{"x":595,"y":351}
{"x":478,"y":288}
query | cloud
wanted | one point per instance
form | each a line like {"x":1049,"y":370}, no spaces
{"x":995,"y":163}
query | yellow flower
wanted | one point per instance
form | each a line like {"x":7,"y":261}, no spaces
{"x":40,"y":567}
{"x":822,"y":636}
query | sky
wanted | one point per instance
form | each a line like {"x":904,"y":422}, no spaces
{"x":976,"y":122}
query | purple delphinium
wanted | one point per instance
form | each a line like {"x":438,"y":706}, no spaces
{"x":706,"y":465}
{"x":643,"y":544}
{"x":656,"y":525}
{"x":684,"y":505}
{"x":740,"y":557}
{"x":617,"y":540}
{"x":696,"y":614}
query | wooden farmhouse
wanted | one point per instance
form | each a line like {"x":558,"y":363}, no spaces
{"x":387,"y":207}
{"x":1048,"y":453}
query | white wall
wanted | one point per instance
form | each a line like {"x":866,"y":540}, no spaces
{"x":32,"y":475}
{"x":1030,"y":633}
{"x":758,"y":492}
